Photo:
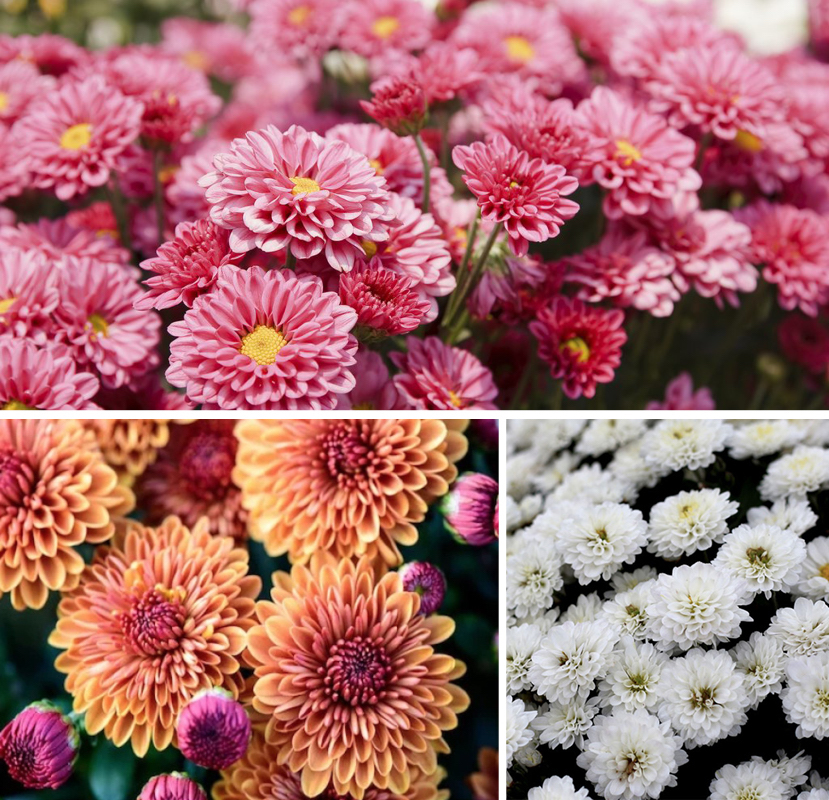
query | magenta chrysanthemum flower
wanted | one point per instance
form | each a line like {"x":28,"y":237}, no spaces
{"x":805,"y":341}
{"x":213,"y":729}
{"x":145,"y":393}
{"x":471,"y":508}
{"x":74,"y":135}
{"x":40,"y":746}
{"x":175,"y":786}
{"x":372,"y":27}
{"x":398,"y":102}
{"x":680,"y":396}
{"x":44,"y":379}
{"x":301,"y":29}
{"x":374,"y":389}
{"x":20,"y":83}
{"x":427,"y":581}
{"x":186,"y":267}
{"x":51,"y":54}
{"x":434,"y":375}
{"x":28,"y":294}
{"x":626,"y":268}
{"x":444,"y":70}
{"x":582,"y":344}
{"x":637,"y":157}
{"x":267,"y":340}
{"x":526,"y":195}
{"x":297,"y":192}
{"x":503,"y":284}
{"x":14,"y":172}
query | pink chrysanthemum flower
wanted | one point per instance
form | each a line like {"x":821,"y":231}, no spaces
{"x":637,"y":157}
{"x":20,"y":83}
{"x":51,"y":54}
{"x":790,"y":244}
{"x":371,"y":27}
{"x":268,"y":340}
{"x":626,"y":268}
{"x":444,"y":71}
{"x":98,"y":318}
{"x":374,"y":389}
{"x":186,"y":267}
{"x":215,"y":48}
{"x":471,"y":509}
{"x":99,"y":218}
{"x":805,"y":341}
{"x":434,"y":375}
{"x":185,"y":198}
{"x":526,"y":195}
{"x":503,"y":282}
{"x":28,"y":294}
{"x":75,"y":134}
{"x":175,"y":786}
{"x":43,"y":379}
{"x":582,"y":344}
{"x":14,"y":171}
{"x":427,"y":581}
{"x":597,"y":25}
{"x":297,"y":192}
{"x":398,"y":102}
{"x":213,"y":729}
{"x":680,"y":396}
{"x":302,"y":29}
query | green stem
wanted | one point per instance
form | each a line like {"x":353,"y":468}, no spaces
{"x":116,"y":201}
{"x":451,"y":306}
{"x":158,"y":194}
{"x":704,"y":144}
{"x":290,"y":259}
{"x":427,"y":170}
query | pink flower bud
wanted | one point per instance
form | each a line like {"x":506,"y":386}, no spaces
{"x":175,"y":786}
{"x":471,"y":508}
{"x":213,"y":729}
{"x":426,"y":580}
{"x":398,"y":103}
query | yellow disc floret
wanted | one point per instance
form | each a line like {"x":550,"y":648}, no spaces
{"x":99,"y":324}
{"x":263,"y":344}
{"x":519,"y":48}
{"x":626,"y":151}
{"x":385,"y":26}
{"x":304,"y":185}
{"x":578,"y":348}
{"x":77,"y":136}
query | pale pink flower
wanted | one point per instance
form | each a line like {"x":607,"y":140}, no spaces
{"x":28,"y":294}
{"x":20,"y":83}
{"x":370,"y":27}
{"x":14,"y":171}
{"x":680,"y":396}
{"x":215,"y":48}
{"x":301,"y":29}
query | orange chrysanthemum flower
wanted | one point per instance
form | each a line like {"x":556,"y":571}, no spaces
{"x":352,"y":487}
{"x":56,"y":493}
{"x":258,"y":776}
{"x":347,"y":673}
{"x":484,"y":784}
{"x":157,"y":617}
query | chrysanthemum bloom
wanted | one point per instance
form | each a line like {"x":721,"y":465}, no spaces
{"x":14,"y":172}
{"x":374,"y":389}
{"x":296,"y":192}
{"x":749,"y":779}
{"x":471,"y":508}
{"x":20,"y":83}
{"x":213,"y":730}
{"x":160,"y":615}
{"x":519,"y":732}
{"x":56,"y":493}
{"x":373,"y":27}
{"x":444,"y":71}
{"x":268,"y":340}
{"x":814,"y":577}
{"x":192,"y":479}
{"x":680,"y":395}
{"x":798,"y":473}
{"x":51,"y":54}
{"x":187,"y":266}
{"x":348,"y":486}
{"x":397,"y":103}
{"x":28,"y":294}
{"x":804,"y":629}
{"x":434,"y":375}
{"x":636,"y":156}
{"x":582,"y":344}
{"x":301,"y":29}
{"x":40,"y":746}
{"x":484,"y":783}
{"x":173,"y":786}
{"x":427,"y":581}
{"x":676,"y":444}
{"x":805,"y":341}
{"x":344,"y":665}
{"x":75,"y":134}
{"x":220,"y":49}
{"x":806,"y":696}
{"x":761,"y":662}
{"x":526,"y":195}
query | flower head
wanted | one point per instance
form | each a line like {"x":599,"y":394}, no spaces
{"x":484,"y":783}
{"x":749,"y":779}
{"x":374,"y":27}
{"x":761,"y":662}
{"x":519,"y":732}
{"x":806,"y":696}
{"x":803,"y":630}
{"x":173,"y":786}
{"x":397,"y":103}
{"x":28,"y":294}
{"x":426,"y":580}
{"x":680,"y":396}
{"x":678,"y":444}
{"x":299,"y":28}
{"x":814,"y":576}
{"x":213,"y":729}
{"x":804,"y":470}
{"x":14,"y":173}
{"x":471,"y":508}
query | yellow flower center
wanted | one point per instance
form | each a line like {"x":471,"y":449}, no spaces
{"x":16,"y":405}
{"x":76,"y":137}
{"x":385,"y":26}
{"x":514,"y":184}
{"x":167,"y":173}
{"x":369,"y":248}
{"x":577,"y":348}
{"x":363,"y":407}
{"x":376,"y":165}
{"x":263,"y":344}
{"x":52,"y":8}
{"x":99,"y":324}
{"x":6,"y":304}
{"x":298,"y":15}
{"x":196,"y":60}
{"x":4,"y":101}
{"x":519,"y":48}
{"x":625,"y":150}
{"x":748,"y":141}
{"x":454,"y":399}
{"x":824,"y":571}
{"x":304,"y":185}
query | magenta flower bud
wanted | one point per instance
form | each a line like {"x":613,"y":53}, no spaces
{"x":174,"y":786}
{"x":426,"y":580}
{"x":471,"y":508}
{"x":213,"y":729}
{"x":40,"y":746}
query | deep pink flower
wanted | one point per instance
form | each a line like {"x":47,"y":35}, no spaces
{"x":444,"y":71}
{"x":373,"y":389}
{"x":805,"y":341}
{"x":51,"y":54}
{"x":680,"y":396}
{"x":74,"y":135}
{"x":20,"y":83}
{"x":45,"y":379}
{"x":398,"y":103}
{"x":215,"y":48}
{"x":581,"y":343}
{"x":819,"y":26}
{"x":14,"y":171}
{"x":370,"y":27}
{"x":503,"y":282}
{"x":471,"y":508}
{"x":637,"y":157}
{"x":597,"y":25}
{"x":99,"y":218}
{"x":40,"y":746}
{"x":213,"y":729}
{"x":427,"y":581}
{"x":434,"y":375}
{"x":296,"y":191}
{"x":146,"y":393}
{"x":28,"y":294}
{"x":175,"y":786}
{"x":267,"y":340}
{"x":526,"y":195}
{"x":302,"y":29}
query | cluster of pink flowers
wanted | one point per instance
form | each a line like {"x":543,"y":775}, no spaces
{"x":400,"y":208}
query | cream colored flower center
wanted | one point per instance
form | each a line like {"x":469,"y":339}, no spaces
{"x":4,"y":101}
{"x":304,"y":185}
{"x":297,"y":16}
{"x":16,"y":405}
{"x":519,"y":48}
{"x":263,"y":344}
{"x":99,"y":324}
{"x":748,"y":141}
{"x":76,"y":137}
{"x":625,"y":150}
{"x":578,"y":348}
{"x":6,"y":304}
{"x":824,"y":572}
{"x":385,"y":26}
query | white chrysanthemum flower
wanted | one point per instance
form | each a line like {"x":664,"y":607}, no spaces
{"x":798,"y":473}
{"x":629,"y":610}
{"x":804,"y":629}
{"x":553,"y":474}
{"x":814,"y":794}
{"x":588,"y":484}
{"x":632,"y":676}
{"x":546,"y":526}
{"x":519,"y":732}
{"x":696,"y":604}
{"x":570,"y":658}
{"x":555,"y":435}
{"x":816,"y":782}
{"x":814,"y":575}
{"x":522,"y":642}
{"x":762,"y":438}
{"x":815,"y":431}
{"x":564,"y":724}
{"x":522,"y":468}
{"x":588,"y":607}
{"x":767,"y":558}
{"x":598,"y":540}
{"x":751,"y":780}
{"x":703,"y":696}
{"x":533,"y":575}
{"x":528,"y":755}
{"x":605,"y":435}
{"x":685,"y":443}
{"x":513,"y":514}
{"x":792,"y":514}
{"x":624,"y":581}
{"x":543,"y":620}
{"x":522,"y":433}
{"x":557,"y":788}
{"x":630,"y":755}
{"x":806,"y":696}
{"x":689,"y":521}
{"x":762,"y":664}
{"x":630,"y":467}
{"x":792,"y":771}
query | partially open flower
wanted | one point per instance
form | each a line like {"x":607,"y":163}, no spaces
{"x":399,"y":104}
{"x":471,"y":508}
{"x":427,"y":581}
{"x":175,"y":786}
{"x":213,"y":729}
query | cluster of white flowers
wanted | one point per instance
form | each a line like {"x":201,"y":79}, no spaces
{"x":666,"y":580}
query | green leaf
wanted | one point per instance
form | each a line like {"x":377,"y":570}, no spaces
{"x":111,"y":770}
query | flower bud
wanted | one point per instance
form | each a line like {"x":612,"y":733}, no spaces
{"x":426,"y":580}
{"x":213,"y":729}
{"x":471,"y":508}
{"x":399,"y":104}
{"x":174,"y":786}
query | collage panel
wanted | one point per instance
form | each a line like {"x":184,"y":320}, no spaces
{"x":667,"y":600}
